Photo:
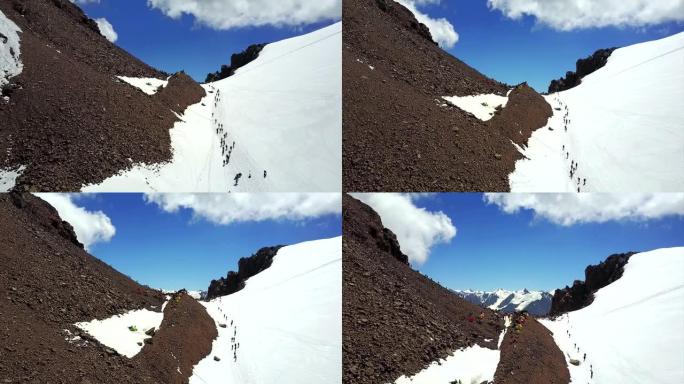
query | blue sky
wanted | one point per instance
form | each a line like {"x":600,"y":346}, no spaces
{"x":172,"y":45}
{"x":178,"y":250}
{"x":514,"y":51}
{"x":493,"y":249}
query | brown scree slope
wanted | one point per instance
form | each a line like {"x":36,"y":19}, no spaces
{"x":396,"y":136}
{"x":395,"y":320}
{"x":48,"y":283}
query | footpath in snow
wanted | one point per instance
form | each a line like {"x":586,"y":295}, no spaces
{"x":285,"y":326}
{"x":619,"y":131}
{"x":633,"y":332}
{"x":274,"y":126}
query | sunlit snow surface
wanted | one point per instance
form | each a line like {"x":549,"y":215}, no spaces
{"x":10,"y":64}
{"x":283,"y":111}
{"x":482,"y":106}
{"x":287,"y":320}
{"x":148,"y":85}
{"x":8,"y":178}
{"x":633,"y":332}
{"x":469,"y":365}
{"x":626,"y":129}
{"x":115,"y":332}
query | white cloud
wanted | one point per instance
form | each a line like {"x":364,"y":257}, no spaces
{"x":242,"y":207}
{"x":90,"y":227}
{"x":569,"y":209}
{"x":227,"y":14}
{"x":106,"y":29}
{"x":442,"y":30}
{"x":566,"y":15}
{"x":416,"y":228}
{"x":85,"y":1}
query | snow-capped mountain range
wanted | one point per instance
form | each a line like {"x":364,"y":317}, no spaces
{"x":534,"y":302}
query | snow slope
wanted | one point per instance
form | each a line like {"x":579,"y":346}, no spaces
{"x":8,"y":178}
{"x":633,"y":332}
{"x":117,"y":334}
{"x":535,"y":302}
{"x":482,"y":106}
{"x":287,"y":321}
{"x":469,"y":365}
{"x":149,"y":86}
{"x":10,"y":64}
{"x":625,"y":132}
{"x":283,"y":111}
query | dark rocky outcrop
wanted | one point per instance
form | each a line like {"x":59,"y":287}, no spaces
{"x":583,"y":68}
{"x":405,"y":17}
{"x":181,"y":92}
{"x":75,"y":13}
{"x":581,"y":294}
{"x":48,"y":215}
{"x":365,"y":226}
{"x":237,"y":61}
{"x":247,"y":267}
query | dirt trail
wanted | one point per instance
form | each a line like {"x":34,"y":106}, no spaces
{"x":529,"y":355}
{"x":185,"y":337}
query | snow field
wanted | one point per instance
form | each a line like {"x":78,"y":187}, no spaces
{"x":633,"y":331}
{"x":8,"y":178}
{"x":124,"y":333}
{"x":149,"y":86}
{"x":472,"y":365}
{"x":10,"y":64}
{"x":624,"y":132}
{"x":481,"y":106}
{"x":285,"y":326}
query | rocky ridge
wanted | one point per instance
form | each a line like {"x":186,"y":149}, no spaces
{"x":247,"y":267}
{"x":581,"y":293}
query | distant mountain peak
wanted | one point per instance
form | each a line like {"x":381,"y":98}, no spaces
{"x":535,"y":302}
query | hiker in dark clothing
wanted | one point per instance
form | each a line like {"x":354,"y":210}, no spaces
{"x":264,"y":174}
